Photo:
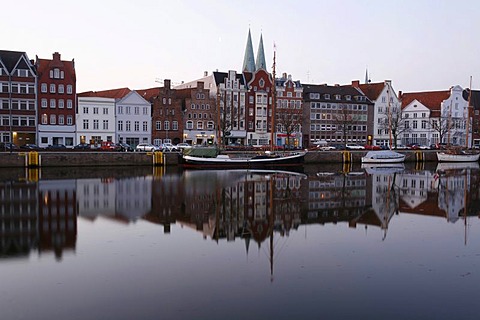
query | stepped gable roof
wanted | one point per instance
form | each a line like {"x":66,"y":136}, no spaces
{"x":248,"y":59}
{"x":10,"y":58}
{"x":372,"y":90}
{"x":431,"y":99}
{"x":280,"y":82}
{"x":44,"y":65}
{"x":113,"y":93}
{"x":221,"y":76}
{"x":149,"y":94}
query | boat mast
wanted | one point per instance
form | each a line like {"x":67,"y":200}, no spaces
{"x":389,"y":115}
{"x":274,"y":98}
{"x":468,"y":113}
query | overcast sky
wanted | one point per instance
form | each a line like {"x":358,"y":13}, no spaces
{"x":420,"y":45}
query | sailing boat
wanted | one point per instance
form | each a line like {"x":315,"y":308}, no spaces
{"x":456,"y":154}
{"x":210,"y":157}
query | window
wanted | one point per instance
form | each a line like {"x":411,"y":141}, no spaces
{"x":69,"y":104}
{"x":189,"y":124}
{"x":69,"y":120}
{"x":105,"y":124}
{"x":210,"y":125}
{"x":95,"y":110}
{"x":44,"y":87}
{"x":61,"y":119}
{"x":200,"y":125}
{"x":51,"y":74}
{"x":174,"y":125}
{"x":85,"y":124}
{"x":61,"y":88}
{"x":69,"y":89}
{"x":145,"y":126}
{"x":85,"y":110}
{"x":44,"y":103}
{"x":56,"y":73}
{"x":44,"y":118}
{"x":158,"y":125}
{"x":128,"y":126}
{"x":145,"y":110}
{"x":127,"y":110}
{"x":137,"y":125}
{"x":95,"y":124}
{"x":137,"y":110}
{"x":120,"y":125}
{"x":105,"y":110}
{"x":52,"y":103}
{"x":120,"y":109}
{"x":52,"y":88}
{"x":61,"y":103}
{"x":166,"y":125}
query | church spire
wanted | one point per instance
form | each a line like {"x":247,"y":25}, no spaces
{"x":249,"y":60}
{"x":261,"y":64}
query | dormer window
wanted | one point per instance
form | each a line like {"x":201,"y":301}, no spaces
{"x":348,"y":98}
{"x":337,"y":97}
{"x":327,"y":96}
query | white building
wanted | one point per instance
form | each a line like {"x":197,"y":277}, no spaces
{"x":134,"y":119}
{"x":95,"y":119}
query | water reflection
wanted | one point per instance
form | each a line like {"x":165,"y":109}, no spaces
{"x":39,"y":208}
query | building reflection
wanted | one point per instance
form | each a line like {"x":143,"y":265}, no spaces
{"x":226,"y":205}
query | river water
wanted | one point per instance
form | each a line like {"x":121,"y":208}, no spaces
{"x":325,"y":242}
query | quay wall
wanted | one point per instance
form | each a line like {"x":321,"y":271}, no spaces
{"x":94,"y":159}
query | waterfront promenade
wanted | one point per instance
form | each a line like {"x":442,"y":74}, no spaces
{"x":96,"y":158}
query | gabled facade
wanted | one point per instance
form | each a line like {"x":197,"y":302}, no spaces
{"x":386,"y":103}
{"x":95,"y":119}
{"x":167,"y":114}
{"x":474,"y":100}
{"x":134,"y":119}
{"x":199,"y":115}
{"x":18,"y":98}
{"x":288,"y":111}
{"x":417,"y":126}
{"x":56,"y":101}
{"x":336,"y":114}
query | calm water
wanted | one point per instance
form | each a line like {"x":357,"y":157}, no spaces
{"x":328,"y":243}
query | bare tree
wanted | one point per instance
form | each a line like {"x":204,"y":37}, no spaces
{"x":288,"y":119}
{"x":344,"y":120}
{"x":396,"y":123}
{"x":226,"y":114}
{"x":442,"y":126}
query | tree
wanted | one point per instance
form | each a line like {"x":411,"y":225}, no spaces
{"x":442,"y":126}
{"x":344,"y":120}
{"x":227,"y":115}
{"x":396,"y":123}
{"x":288,"y":119}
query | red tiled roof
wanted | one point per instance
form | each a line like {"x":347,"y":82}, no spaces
{"x":432,"y":100}
{"x":44,"y":66}
{"x":113,"y":93}
{"x":150,"y":93}
{"x":372,"y":90}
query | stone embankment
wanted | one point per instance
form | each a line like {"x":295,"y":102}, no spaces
{"x":94,"y":159}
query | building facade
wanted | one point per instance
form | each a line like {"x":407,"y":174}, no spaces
{"x":18,"y":98}
{"x":288,"y":111}
{"x":95,"y":119}
{"x":56,"y":101}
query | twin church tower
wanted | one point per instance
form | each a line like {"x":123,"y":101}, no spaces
{"x":249,"y":63}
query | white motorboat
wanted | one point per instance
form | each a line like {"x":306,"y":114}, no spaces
{"x":383,"y":156}
{"x":457,"y":157}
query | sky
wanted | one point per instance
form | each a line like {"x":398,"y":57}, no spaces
{"x":420,"y":45}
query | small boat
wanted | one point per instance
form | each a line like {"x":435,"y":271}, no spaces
{"x":383,"y":156}
{"x":457,"y":157}
{"x":196,"y":158}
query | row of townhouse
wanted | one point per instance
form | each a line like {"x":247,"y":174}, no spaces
{"x":39,"y":104}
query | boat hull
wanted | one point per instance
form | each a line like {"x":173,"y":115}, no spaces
{"x":254,"y":162}
{"x":446,"y":157}
{"x":383,"y":157}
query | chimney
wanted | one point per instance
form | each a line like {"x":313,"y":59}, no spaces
{"x":284,"y":75}
{"x":400,"y":94}
{"x":56,"y":56}
{"x":205,"y":73}
{"x":356,"y":83}
{"x":166,"y":83}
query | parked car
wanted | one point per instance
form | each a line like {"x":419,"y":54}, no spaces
{"x":30,"y":147}
{"x":325,"y":148}
{"x":338,"y":146}
{"x":124,"y":147}
{"x":372,"y":147}
{"x":400,"y":147}
{"x":353,"y":146}
{"x":183,"y":145}
{"x":82,"y":146}
{"x":148,"y":147}
{"x":109,"y":146}
{"x":413,"y":146}
{"x":56,"y":147}
{"x":169,"y":147}
{"x":7,"y":146}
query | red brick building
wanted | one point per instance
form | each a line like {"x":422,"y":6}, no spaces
{"x":17,"y":98}
{"x":167,"y":114}
{"x":56,"y":101}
